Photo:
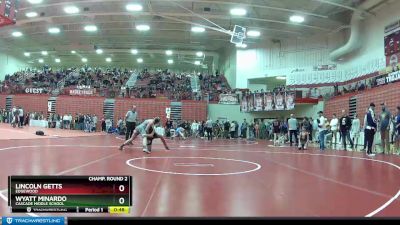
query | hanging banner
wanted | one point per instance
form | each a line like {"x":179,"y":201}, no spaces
{"x":229,"y":99}
{"x":393,"y":60}
{"x":258,"y":102}
{"x":268,"y":101}
{"x":81,"y":92}
{"x":34,"y":90}
{"x":280,"y":101}
{"x":243,"y":105}
{"x":49,"y":106}
{"x":251,"y":103}
{"x":289,"y":99}
{"x":392,"y":77}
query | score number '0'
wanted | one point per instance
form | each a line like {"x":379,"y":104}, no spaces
{"x":121,"y":189}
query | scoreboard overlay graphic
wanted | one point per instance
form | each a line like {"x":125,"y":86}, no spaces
{"x":75,"y":194}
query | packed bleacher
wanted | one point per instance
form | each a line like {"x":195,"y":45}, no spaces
{"x":113,"y":83}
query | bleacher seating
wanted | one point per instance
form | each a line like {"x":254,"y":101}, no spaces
{"x":113,"y":83}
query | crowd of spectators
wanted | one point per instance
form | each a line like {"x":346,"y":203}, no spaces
{"x":112,"y":82}
{"x":361,"y":85}
{"x":178,"y":86}
{"x":213,"y":86}
{"x":162,"y":84}
{"x":16,"y":117}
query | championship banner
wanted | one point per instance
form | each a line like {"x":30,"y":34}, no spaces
{"x":289,"y":99}
{"x":49,"y":106}
{"x":279,"y":101}
{"x":229,"y":99}
{"x":8,"y":12}
{"x":243,"y":105}
{"x":258,"y":102}
{"x":268,"y":101}
{"x":393,"y":60}
{"x":250,"y":101}
{"x":392,"y":44}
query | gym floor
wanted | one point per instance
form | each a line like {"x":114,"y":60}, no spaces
{"x":218,"y":178}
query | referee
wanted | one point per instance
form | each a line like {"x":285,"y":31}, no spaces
{"x":130,"y":119}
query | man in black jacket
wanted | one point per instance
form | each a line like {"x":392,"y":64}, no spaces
{"x":345,"y":127}
{"x":227,"y":125}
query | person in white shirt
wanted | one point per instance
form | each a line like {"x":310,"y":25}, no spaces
{"x":195,"y":128}
{"x":14,"y":117}
{"x":66,"y":121}
{"x":334,"y":128}
{"x":21,"y":117}
{"x":108,"y":124}
{"x":94,"y":118}
{"x":355,"y":130}
{"x":232,"y":129}
{"x":69,"y":120}
{"x":322,"y":130}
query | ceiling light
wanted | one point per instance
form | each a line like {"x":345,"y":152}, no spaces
{"x":27,"y":54}
{"x":45,"y":53}
{"x":71,"y":9}
{"x":281,"y":78}
{"x":139,"y":60}
{"x":243,"y":45}
{"x":84,"y":60}
{"x":17,"y":34}
{"x":199,"y":54}
{"x":253,"y":33}
{"x":54,"y":30}
{"x":31,"y":14}
{"x":99,"y":51}
{"x":238,"y":12}
{"x":198,"y":29}
{"x":41,"y":60}
{"x":196,"y":62}
{"x":73,"y":52}
{"x":90,"y":28}
{"x":170,"y":61}
{"x":168,"y":52}
{"x":297,"y":19}
{"x":143,"y":27}
{"x":108,"y":59}
{"x":57,"y":60}
{"x":134,"y":7}
{"x":134,"y":51}
{"x":35,"y":1}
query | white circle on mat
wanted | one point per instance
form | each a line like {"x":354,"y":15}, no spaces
{"x":256,"y":166}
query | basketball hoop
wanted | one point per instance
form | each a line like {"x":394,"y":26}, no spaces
{"x":238,"y":35}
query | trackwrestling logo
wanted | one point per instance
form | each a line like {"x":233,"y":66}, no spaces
{"x":9,"y":220}
{"x":32,"y":221}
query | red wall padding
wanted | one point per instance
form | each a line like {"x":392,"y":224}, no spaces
{"x":194,"y":110}
{"x":146,"y":108}
{"x":31,"y":103}
{"x":3,"y":101}
{"x":76,"y":104}
{"x":335,"y":105}
{"x":388,"y":93}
